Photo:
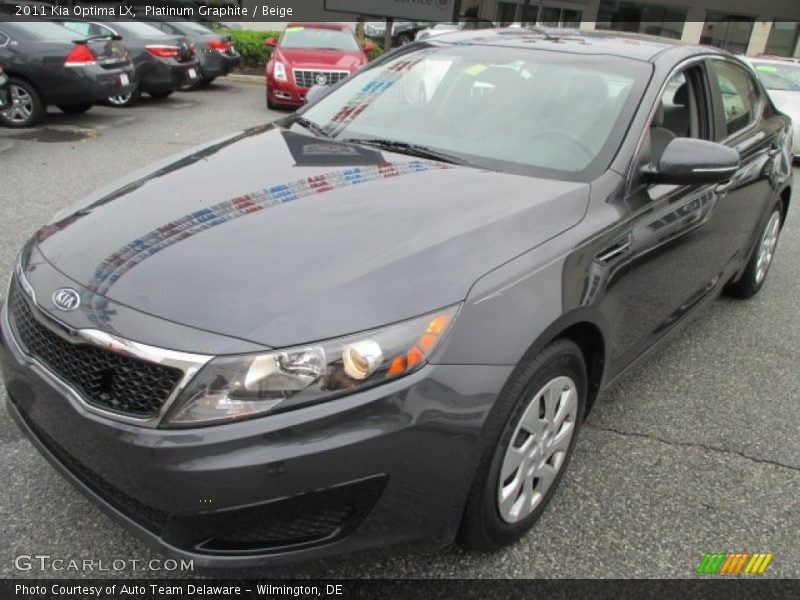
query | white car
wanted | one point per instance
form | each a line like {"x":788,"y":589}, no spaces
{"x":464,"y":25}
{"x":781,"y":78}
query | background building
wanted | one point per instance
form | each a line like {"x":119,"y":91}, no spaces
{"x":739,"y":26}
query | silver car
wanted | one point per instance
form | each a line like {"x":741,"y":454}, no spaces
{"x":781,"y":78}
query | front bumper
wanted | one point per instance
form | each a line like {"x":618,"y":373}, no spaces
{"x":285,"y":93}
{"x":390,"y":466}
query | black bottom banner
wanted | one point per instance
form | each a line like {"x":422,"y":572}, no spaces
{"x":384,"y":589}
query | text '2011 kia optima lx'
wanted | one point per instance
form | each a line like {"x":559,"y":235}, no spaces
{"x":381,"y":320}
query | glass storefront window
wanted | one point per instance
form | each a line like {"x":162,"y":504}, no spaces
{"x":729,"y":32}
{"x":783,"y":38}
{"x":548,"y":14}
{"x":652,"y":19}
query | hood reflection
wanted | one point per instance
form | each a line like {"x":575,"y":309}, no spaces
{"x":113,"y":267}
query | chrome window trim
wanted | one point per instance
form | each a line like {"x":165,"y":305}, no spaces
{"x":189,"y":364}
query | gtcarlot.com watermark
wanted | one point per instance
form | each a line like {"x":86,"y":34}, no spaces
{"x":47,"y":562}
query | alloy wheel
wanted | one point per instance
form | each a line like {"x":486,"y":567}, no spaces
{"x":121,"y":99}
{"x":766,"y":250}
{"x":21,"y":107}
{"x":537,"y":449}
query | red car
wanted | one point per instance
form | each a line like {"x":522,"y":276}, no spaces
{"x":309,"y":54}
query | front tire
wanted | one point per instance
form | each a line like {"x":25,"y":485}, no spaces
{"x":528,"y":441}
{"x":755,"y":273}
{"x":25,"y":107}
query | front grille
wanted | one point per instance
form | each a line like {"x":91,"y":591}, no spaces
{"x":306,"y":78}
{"x":111,"y":381}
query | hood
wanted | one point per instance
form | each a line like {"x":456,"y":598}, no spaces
{"x":321,"y":59}
{"x":281,"y":238}
{"x":787,"y":102}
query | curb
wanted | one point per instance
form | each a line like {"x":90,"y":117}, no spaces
{"x":252,"y":79}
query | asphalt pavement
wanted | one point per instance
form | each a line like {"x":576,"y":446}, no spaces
{"x":696,"y":450}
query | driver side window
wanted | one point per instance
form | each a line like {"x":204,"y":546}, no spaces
{"x":679,"y":113}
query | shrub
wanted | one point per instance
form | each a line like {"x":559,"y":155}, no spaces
{"x":250,"y":45}
{"x":375,"y":52}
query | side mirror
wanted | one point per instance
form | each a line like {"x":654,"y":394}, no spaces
{"x":368,"y":46}
{"x":316,"y":92}
{"x":688,"y":161}
{"x":270,"y":41}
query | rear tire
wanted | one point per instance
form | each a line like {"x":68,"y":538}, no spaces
{"x":528,"y":440}
{"x":757,"y":269}
{"x":207,"y":81}
{"x":25,"y":107}
{"x":161,"y":95}
{"x":75,"y":109}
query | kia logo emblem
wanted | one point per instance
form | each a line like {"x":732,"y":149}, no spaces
{"x":66,"y":299}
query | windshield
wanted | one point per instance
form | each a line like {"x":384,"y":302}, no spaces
{"x":140,"y":30}
{"x":319,"y":38}
{"x":779,"y":76}
{"x":39,"y":31}
{"x":544,"y":113}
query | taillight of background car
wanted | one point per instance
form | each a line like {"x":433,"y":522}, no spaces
{"x":221,"y":46}
{"x":163,"y":51}
{"x":80,"y":56}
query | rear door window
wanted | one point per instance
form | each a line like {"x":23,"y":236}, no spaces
{"x":741,"y":102}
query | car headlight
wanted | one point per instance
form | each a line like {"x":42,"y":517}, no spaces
{"x":238,"y":387}
{"x":279,"y":71}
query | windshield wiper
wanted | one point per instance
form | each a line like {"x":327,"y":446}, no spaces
{"x":410,"y":149}
{"x":310,"y":125}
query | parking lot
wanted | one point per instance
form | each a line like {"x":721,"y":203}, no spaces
{"x":696,"y":450}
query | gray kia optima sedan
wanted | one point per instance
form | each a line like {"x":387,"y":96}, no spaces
{"x":382,"y":320}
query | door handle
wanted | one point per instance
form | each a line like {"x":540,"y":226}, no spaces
{"x":615,"y":250}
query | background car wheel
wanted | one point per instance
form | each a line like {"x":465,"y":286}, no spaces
{"x":75,"y":109}
{"x":125,"y":100}
{"x":207,"y":81}
{"x":270,"y":104}
{"x":528,"y":441}
{"x":25,"y":107}
{"x":755,"y":273}
{"x":161,"y":95}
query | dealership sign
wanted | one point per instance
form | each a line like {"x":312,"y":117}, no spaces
{"x":412,"y":10}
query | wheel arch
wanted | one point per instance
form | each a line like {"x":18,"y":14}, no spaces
{"x":14,"y":74}
{"x":585,"y":327}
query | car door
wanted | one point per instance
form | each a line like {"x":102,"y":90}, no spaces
{"x":668,"y":253}
{"x":740,"y":123}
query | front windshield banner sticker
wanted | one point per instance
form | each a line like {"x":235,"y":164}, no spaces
{"x":374,"y":88}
